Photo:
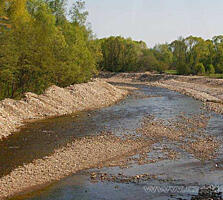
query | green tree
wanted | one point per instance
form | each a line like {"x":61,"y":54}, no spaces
{"x":120,"y":54}
{"x":219,"y":68}
{"x":40,"y":50}
{"x":197,"y":52}
{"x":210,"y":69}
{"x":58,"y":10}
{"x":78,"y":13}
{"x":147,"y":61}
{"x":179,"y":50}
{"x":164,"y":54}
{"x":218,"y":57}
{"x":200,"y":69}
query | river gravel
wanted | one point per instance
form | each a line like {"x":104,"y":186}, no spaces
{"x":56,"y":101}
{"x":207,"y":90}
{"x":81,"y":154}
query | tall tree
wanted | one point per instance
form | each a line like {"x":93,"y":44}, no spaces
{"x":58,"y":9}
{"x":78,"y":13}
{"x":218,"y":58}
{"x":179,"y":49}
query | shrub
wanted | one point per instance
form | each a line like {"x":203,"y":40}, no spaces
{"x":210,"y":69}
{"x":199,"y":69}
{"x":183,"y":69}
{"x":219,"y":68}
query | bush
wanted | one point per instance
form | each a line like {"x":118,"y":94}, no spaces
{"x":219,"y":68}
{"x":183,"y":69}
{"x":210,"y":69}
{"x":161,"y":68}
{"x":199,"y":69}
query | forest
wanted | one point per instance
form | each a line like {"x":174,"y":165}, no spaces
{"x":44,"y":43}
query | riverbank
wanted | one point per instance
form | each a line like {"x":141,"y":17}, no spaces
{"x":56,"y":102}
{"x":207,"y":90}
{"x":108,"y":150}
{"x":83,"y":153}
{"x":103,"y":150}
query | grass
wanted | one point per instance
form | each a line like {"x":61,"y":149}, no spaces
{"x":172,"y":72}
{"x":215,"y":76}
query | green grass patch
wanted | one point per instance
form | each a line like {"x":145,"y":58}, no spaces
{"x":172,"y":72}
{"x":215,"y":76}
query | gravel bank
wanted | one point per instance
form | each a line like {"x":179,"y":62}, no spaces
{"x":95,"y":151}
{"x":81,"y":154}
{"x":207,"y":90}
{"x":188,"y":132}
{"x":56,"y":102}
{"x":210,"y":95}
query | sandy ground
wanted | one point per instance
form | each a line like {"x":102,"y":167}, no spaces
{"x":56,"y":102}
{"x":207,"y":90}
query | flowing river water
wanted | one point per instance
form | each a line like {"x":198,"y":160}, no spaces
{"x":184,"y":175}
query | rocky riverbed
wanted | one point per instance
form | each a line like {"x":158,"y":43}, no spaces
{"x":207,"y":90}
{"x":81,"y":154}
{"x":110,"y":150}
{"x":171,"y":139}
{"x":56,"y":102}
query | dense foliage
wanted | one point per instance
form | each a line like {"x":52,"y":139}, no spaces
{"x":125,"y":55}
{"x":192,"y":55}
{"x":39,"y":46}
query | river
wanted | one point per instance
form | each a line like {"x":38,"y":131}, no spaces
{"x":186,"y":174}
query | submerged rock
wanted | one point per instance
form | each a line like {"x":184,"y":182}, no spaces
{"x":208,"y":193}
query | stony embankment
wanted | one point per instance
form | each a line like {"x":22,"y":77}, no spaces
{"x":80,"y":154}
{"x":56,"y":102}
{"x":207,"y":90}
{"x":212,"y":96}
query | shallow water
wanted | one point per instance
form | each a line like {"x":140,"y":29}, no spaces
{"x":38,"y":139}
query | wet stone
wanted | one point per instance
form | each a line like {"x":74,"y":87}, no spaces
{"x":208,"y":193}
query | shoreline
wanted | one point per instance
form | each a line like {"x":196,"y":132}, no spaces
{"x":210,"y":101}
{"x":95,"y":150}
{"x":56,"y":102}
{"x":108,"y":150}
{"x":92,"y":95}
{"x":207,"y":90}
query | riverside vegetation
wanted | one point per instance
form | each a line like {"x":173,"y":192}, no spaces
{"x":43,"y":44}
{"x":41,"y":47}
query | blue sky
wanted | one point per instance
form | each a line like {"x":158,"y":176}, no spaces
{"x":155,"y":21}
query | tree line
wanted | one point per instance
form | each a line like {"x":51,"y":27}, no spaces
{"x":126,"y":55}
{"x":194,"y":55}
{"x":43,"y":43}
{"x":191,"y":55}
